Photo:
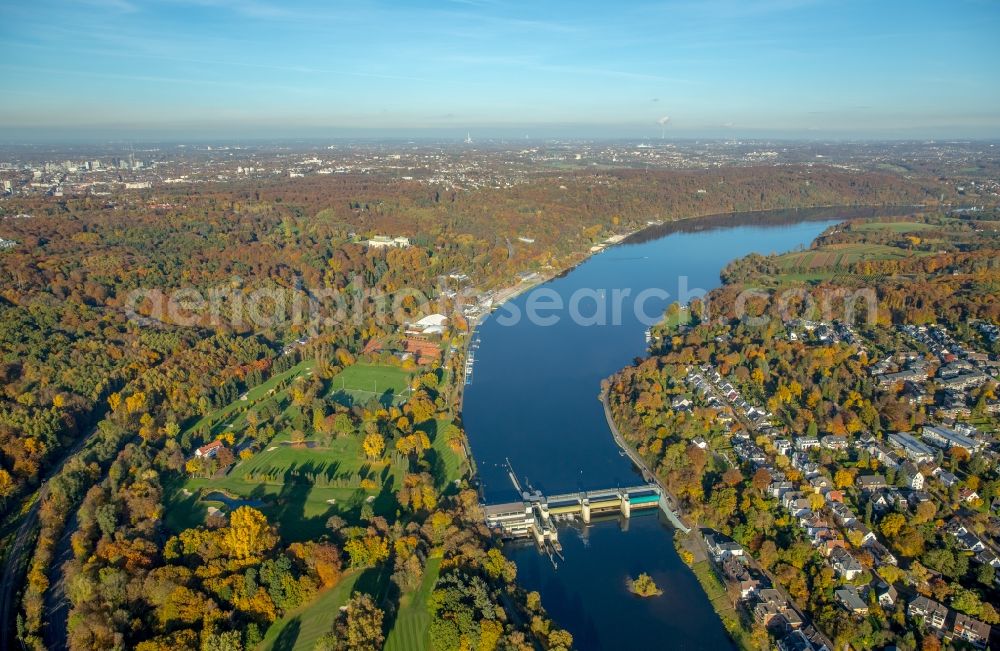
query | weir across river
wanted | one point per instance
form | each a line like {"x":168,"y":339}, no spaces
{"x":536,"y":515}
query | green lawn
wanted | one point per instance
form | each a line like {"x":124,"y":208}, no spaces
{"x":300,"y":629}
{"x":362,"y":382}
{"x":446,"y":464}
{"x":298,"y":487}
{"x":233,"y":413}
{"x":411,"y":630}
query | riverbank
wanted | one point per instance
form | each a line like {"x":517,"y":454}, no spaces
{"x":660,"y":229}
{"x":691,"y":541}
{"x":673,"y":511}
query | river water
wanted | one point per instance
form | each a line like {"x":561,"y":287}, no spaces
{"x":534,"y":400}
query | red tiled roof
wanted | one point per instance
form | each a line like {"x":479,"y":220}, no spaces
{"x":214,"y":445}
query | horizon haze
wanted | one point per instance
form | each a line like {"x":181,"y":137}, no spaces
{"x":176,"y":69}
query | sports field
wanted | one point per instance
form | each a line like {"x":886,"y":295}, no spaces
{"x":362,"y":382}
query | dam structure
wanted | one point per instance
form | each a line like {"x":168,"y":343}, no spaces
{"x":535,"y":515}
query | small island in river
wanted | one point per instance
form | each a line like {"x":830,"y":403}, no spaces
{"x":643,"y":586}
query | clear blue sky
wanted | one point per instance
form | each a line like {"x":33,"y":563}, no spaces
{"x":854,"y":68}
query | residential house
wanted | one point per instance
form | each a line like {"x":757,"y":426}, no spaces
{"x":869,"y":483}
{"x":987,"y":557}
{"x":915,"y":450}
{"x":886,"y":594}
{"x":843,"y":514}
{"x":880,"y":553}
{"x":845,"y":565}
{"x":850,"y":599}
{"x":208,"y":451}
{"x":881,"y":501}
{"x":806,"y":443}
{"x":836,"y":496}
{"x":769,"y":604}
{"x":800,"y":507}
{"x":821,"y":484}
{"x":680,"y":403}
{"x":777,"y":489}
{"x":748,"y":588}
{"x":971,"y":630}
{"x":834,"y":442}
{"x":969,"y":542}
{"x":946,"y":478}
{"x":946,"y":439}
{"x":910,"y":474}
{"x":863,"y":533}
{"x":384,"y":241}
{"x":968,"y":495}
{"x":721,"y":548}
{"x":795,"y":641}
{"x":931,"y":612}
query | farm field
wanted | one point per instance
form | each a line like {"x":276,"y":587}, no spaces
{"x":895,"y":227}
{"x":833,"y":256}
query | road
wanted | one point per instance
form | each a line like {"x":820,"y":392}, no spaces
{"x":13,"y":572}
{"x":15,"y":566}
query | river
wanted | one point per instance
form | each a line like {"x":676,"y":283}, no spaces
{"x":534,"y":400}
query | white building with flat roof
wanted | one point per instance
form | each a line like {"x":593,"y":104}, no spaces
{"x":945,"y":438}
{"x":914,"y":449}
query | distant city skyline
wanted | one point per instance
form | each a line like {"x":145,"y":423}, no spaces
{"x":497,"y":69}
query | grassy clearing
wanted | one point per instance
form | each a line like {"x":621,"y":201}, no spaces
{"x":300,"y":486}
{"x":362,"y":382}
{"x":301,"y":628}
{"x":446,"y":464}
{"x":411,"y":630}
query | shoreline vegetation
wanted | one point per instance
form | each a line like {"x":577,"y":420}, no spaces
{"x":511,"y":292}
